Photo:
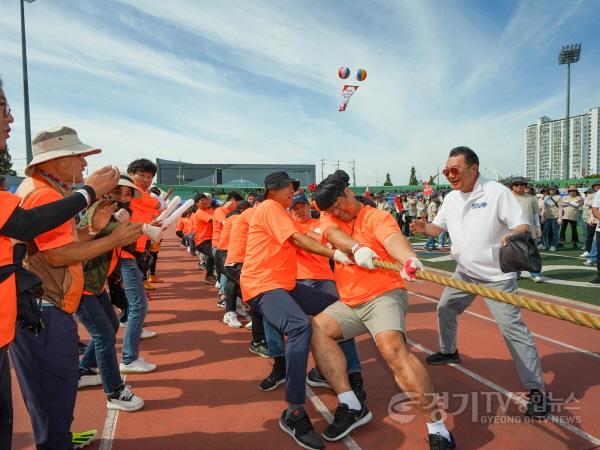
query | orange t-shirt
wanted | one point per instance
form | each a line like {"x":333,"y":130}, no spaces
{"x":187,"y":225}
{"x":239,"y":237}
{"x":143,"y":210}
{"x":181,"y":224}
{"x":226,"y":233}
{"x":58,"y":237}
{"x":8,"y":288}
{"x":271,"y":261}
{"x":371,"y":227}
{"x":310,"y":265}
{"x":218,"y":218}
{"x":202,"y":224}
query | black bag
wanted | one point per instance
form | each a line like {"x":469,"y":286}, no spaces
{"x":116,"y":291}
{"x":29,"y":291}
{"x":520,"y":254}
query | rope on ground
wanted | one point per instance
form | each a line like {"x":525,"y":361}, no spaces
{"x":548,"y":309}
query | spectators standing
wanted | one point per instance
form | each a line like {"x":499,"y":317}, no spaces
{"x":596,"y":213}
{"x":421,"y":208}
{"x":529,"y":205}
{"x":411,"y":207}
{"x":589,"y":221}
{"x":570,"y":207}
{"x":47,"y":365}
{"x":432,"y":210}
{"x":550,"y":231}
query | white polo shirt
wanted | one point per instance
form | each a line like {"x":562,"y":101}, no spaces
{"x":476,"y":221}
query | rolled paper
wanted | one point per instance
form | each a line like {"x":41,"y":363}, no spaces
{"x":154,"y":233}
{"x":170,"y":208}
{"x":177,"y":214}
{"x":122,"y":216}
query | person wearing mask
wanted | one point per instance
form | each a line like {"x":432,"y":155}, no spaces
{"x":24,"y":225}
{"x":99,"y":364}
{"x":47,"y":365}
{"x":477,"y":204}
{"x":570,"y":207}
{"x":551,"y":218}
{"x":529,"y":205}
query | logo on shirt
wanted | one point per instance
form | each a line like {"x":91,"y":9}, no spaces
{"x":479,"y":205}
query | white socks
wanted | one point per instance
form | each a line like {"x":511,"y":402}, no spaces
{"x":349,"y":398}
{"x":438,"y":427}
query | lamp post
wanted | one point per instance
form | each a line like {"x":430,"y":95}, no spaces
{"x":28,"y":154}
{"x":569,"y":54}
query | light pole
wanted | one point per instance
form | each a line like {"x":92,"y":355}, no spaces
{"x":569,"y":54}
{"x":28,"y":152}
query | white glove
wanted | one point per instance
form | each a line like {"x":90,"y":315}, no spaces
{"x":363,"y":257}
{"x":411,"y":265}
{"x":341,"y":257}
{"x":154,"y":233}
{"x":121,"y":216}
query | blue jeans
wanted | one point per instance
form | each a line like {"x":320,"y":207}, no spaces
{"x":431,"y":242}
{"x":47,"y":367}
{"x":594,"y":250}
{"x":220,"y":275}
{"x":274,"y":338}
{"x":137,"y":307}
{"x":550,"y":225}
{"x":100,"y":320}
{"x":444,"y":238}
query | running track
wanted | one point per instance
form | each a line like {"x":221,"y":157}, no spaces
{"x":204,"y":393}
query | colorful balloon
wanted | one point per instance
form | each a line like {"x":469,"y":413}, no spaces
{"x":343,"y":72}
{"x":361,"y":74}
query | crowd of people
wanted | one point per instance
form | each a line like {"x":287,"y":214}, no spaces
{"x":294,"y":267}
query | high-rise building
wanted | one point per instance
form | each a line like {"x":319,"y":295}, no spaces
{"x":546,"y":156}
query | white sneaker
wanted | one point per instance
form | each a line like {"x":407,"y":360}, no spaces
{"x":248,"y":326}
{"x":239,"y":308}
{"x":217,"y":285}
{"x":552,"y":249}
{"x":125,"y":401}
{"x":589,"y":263}
{"x":230,"y":319}
{"x":584,"y":255}
{"x":537,"y":278}
{"x":137,"y":366}
{"x":89,"y":377}
{"x":147,"y":334}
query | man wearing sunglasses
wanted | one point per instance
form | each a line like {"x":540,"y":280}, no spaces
{"x":479,"y":215}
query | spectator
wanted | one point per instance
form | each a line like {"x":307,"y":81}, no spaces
{"x":47,"y":364}
{"x":589,"y":221}
{"x":596,"y":213}
{"x":551,"y":218}
{"x":570,"y":207}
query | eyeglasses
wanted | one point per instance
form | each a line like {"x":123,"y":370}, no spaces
{"x":454,"y":171}
{"x":6,"y":110}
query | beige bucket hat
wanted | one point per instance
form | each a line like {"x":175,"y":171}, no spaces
{"x":57,"y":143}
{"x":124,"y":180}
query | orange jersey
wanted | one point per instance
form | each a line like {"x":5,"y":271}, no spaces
{"x":271,"y":261}
{"x":310,"y":265}
{"x":225,"y":233}
{"x":357,"y":285}
{"x":143,"y":210}
{"x":8,"y":288}
{"x":202,"y":225}
{"x":181,"y":224}
{"x":218,"y":218}
{"x":239,"y":237}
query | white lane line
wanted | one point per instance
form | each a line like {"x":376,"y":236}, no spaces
{"x":539,"y":336}
{"x":320,"y":406}
{"x":110,"y":427}
{"x":563,"y":256}
{"x":514,"y":398}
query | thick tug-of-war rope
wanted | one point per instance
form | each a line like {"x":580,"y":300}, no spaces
{"x":531,"y":304}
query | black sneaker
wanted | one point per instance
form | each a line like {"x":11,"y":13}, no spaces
{"x":346,"y":420}
{"x":594,"y":282}
{"x":298,"y":426}
{"x":537,"y":405}
{"x":439,"y":442}
{"x":274,"y":379}
{"x":221,"y":303}
{"x":315,"y":379}
{"x":259,"y":349}
{"x":357,"y":385}
{"x":443,"y":358}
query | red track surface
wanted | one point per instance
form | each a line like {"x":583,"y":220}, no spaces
{"x":204,"y":393}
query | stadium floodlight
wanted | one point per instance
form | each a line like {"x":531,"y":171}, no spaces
{"x":29,"y":154}
{"x":569,"y":54}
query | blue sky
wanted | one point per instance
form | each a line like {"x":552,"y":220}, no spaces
{"x":256,"y":81}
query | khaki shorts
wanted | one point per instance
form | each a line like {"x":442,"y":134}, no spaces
{"x":384,"y":313}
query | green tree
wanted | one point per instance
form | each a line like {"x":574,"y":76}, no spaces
{"x":6,"y":164}
{"x":412,"y":181}
{"x":388,"y":180}
{"x":432,"y":179}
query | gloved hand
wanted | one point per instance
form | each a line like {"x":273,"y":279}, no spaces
{"x":411,"y":265}
{"x":122,"y":216}
{"x":341,"y":257}
{"x":363,"y":256}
